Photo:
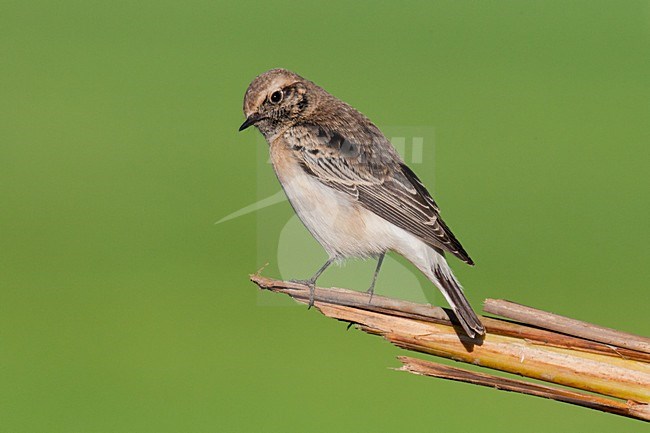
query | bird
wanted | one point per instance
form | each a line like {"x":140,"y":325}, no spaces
{"x":350,"y":187}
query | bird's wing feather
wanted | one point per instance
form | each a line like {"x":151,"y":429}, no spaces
{"x":374,"y":175}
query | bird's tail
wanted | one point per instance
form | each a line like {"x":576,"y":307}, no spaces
{"x":445,"y":280}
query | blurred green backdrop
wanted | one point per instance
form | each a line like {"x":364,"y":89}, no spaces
{"x":124,"y":308}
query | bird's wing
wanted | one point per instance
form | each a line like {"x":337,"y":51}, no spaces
{"x":374,"y":175}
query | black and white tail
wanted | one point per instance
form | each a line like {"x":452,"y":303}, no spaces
{"x":445,"y":280}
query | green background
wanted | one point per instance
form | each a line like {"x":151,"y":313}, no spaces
{"x":124,"y":308}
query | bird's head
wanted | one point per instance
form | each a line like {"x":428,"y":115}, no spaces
{"x":277,"y":99}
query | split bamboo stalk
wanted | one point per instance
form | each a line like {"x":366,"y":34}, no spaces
{"x":563,"y":359}
{"x":627,"y":408}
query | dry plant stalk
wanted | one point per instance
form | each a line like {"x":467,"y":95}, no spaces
{"x":555,"y":322}
{"x":628,"y":408}
{"x":559,"y":358}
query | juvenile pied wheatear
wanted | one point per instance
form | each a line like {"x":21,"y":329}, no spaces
{"x":349,"y":186}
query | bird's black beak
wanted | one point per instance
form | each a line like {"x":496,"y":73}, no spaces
{"x":251,"y":120}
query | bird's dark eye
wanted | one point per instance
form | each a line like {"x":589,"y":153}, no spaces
{"x":276,"y":97}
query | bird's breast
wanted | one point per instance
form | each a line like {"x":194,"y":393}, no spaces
{"x":337,"y":221}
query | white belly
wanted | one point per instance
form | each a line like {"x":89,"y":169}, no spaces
{"x":339,"y":224}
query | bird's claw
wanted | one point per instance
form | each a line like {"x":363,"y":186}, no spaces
{"x":312,"y":288}
{"x":371,"y":292}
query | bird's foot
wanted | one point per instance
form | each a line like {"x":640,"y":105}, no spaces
{"x":371,"y":292}
{"x":312,"y":287}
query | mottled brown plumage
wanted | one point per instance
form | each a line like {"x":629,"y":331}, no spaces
{"x":348,"y":184}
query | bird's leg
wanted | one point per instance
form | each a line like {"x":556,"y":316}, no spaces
{"x":311,"y":283}
{"x":371,"y":290}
